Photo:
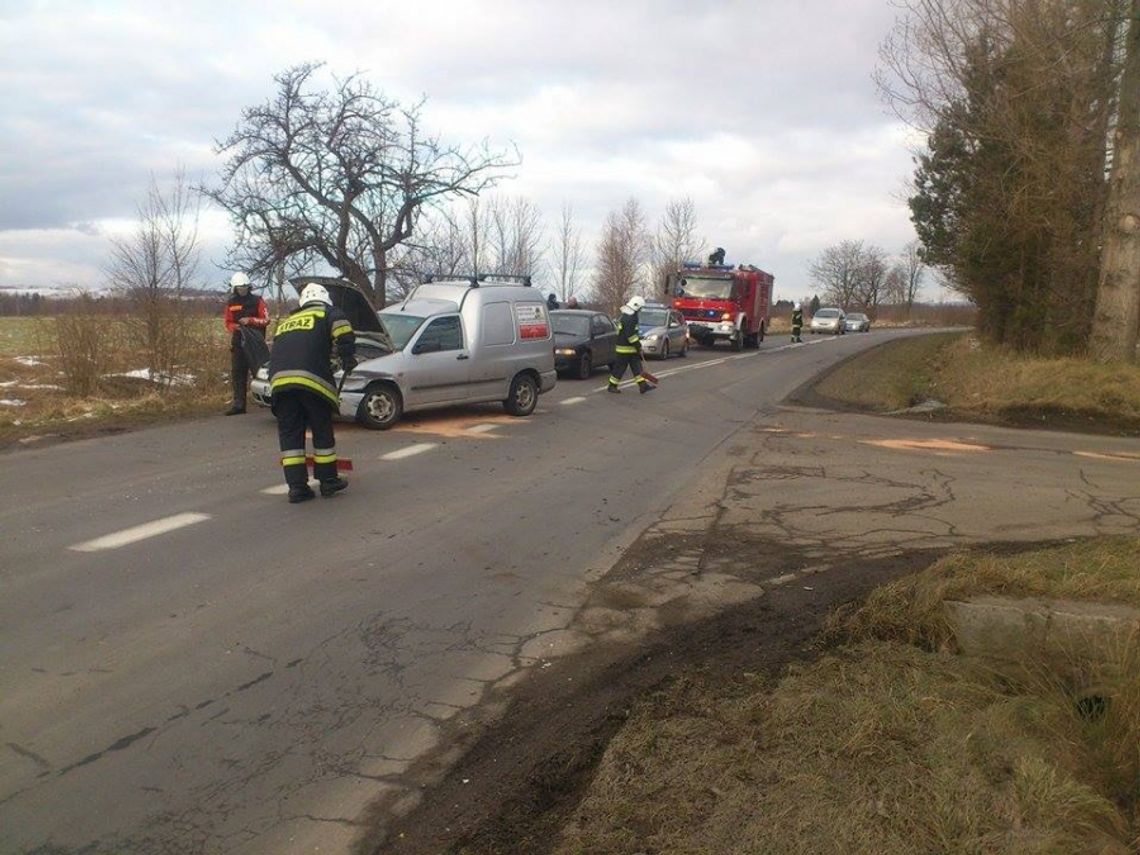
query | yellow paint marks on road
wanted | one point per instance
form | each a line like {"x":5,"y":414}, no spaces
{"x":1104,"y":455}
{"x":937,"y":446}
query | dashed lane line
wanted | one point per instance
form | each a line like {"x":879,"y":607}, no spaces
{"x":140,"y":532}
{"x":481,"y":428}
{"x":410,"y":451}
{"x":577,"y":399}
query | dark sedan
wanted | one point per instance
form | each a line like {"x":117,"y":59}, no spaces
{"x":583,"y":340}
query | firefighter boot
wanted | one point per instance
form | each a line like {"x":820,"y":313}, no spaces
{"x":333,"y":486}
{"x":645,"y":386}
{"x":301,"y":494}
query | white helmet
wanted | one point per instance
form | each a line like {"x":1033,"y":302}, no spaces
{"x":796,"y":305}
{"x":239,"y":280}
{"x":314,"y":293}
{"x":635,"y":304}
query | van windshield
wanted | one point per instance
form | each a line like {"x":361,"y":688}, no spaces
{"x":400,"y":326}
{"x":709,"y":289}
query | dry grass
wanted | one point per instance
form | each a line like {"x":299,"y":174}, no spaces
{"x":909,"y":610}
{"x":881,"y":748}
{"x":71,"y":389}
{"x":893,"y":744}
{"x":983,"y":383}
{"x":992,"y":381}
{"x":897,"y":375}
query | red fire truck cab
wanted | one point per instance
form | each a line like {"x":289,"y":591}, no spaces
{"x":720,"y":301}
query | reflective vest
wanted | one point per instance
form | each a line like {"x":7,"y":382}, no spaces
{"x":302,"y":348}
{"x":628,"y":336}
{"x":250,"y":306}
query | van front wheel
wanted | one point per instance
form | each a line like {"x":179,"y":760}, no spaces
{"x":381,"y":407}
{"x":523,"y":396}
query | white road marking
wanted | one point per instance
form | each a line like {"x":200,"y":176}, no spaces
{"x":410,"y":451}
{"x":481,"y":428}
{"x":140,"y":532}
{"x":576,"y":400}
{"x":282,"y":489}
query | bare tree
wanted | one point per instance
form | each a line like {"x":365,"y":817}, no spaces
{"x":622,"y":255}
{"x":517,"y":235}
{"x":567,"y":254}
{"x":675,"y":241}
{"x":344,"y":175}
{"x":894,"y":287}
{"x":153,"y":266}
{"x":1116,"y":322}
{"x":871,"y":277}
{"x":913,"y":268}
{"x":837,"y":271}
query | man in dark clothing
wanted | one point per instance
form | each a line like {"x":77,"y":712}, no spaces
{"x":629,"y":348}
{"x":797,"y":323}
{"x":551,"y":302}
{"x":244,"y":309}
{"x":304,"y":394}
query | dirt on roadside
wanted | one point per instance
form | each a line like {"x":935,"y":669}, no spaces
{"x":519,"y":779}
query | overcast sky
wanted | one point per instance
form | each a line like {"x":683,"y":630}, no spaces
{"x":763,"y":113}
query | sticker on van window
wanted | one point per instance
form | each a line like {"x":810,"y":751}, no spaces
{"x":532,"y":321}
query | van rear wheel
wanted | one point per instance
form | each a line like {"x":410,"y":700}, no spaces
{"x":523,"y":396}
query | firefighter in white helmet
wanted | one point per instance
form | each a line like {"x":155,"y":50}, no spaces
{"x":248,"y":310}
{"x":304,"y":395}
{"x":797,"y":322}
{"x":629,"y":348}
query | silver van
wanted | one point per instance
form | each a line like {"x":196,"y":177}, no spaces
{"x":456,"y":342}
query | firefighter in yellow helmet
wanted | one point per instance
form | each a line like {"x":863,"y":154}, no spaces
{"x":304,"y":395}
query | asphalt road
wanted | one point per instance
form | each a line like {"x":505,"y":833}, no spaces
{"x":190,"y":664}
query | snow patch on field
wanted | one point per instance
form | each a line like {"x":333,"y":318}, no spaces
{"x":159,"y":377}
{"x":12,"y":402}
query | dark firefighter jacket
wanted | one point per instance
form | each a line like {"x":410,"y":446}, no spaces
{"x":249,"y":306}
{"x":302,"y":347}
{"x":797,"y":318}
{"x":628,"y":336}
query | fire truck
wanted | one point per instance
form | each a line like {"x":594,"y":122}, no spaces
{"x":722,"y":301}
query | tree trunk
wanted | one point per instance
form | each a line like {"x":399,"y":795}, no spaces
{"x":1117,"y":319}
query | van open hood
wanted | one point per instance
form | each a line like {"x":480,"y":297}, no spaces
{"x":350,"y":300}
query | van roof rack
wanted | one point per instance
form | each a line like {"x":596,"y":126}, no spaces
{"x":484,"y":278}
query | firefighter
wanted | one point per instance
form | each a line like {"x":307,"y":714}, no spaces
{"x":797,"y":323}
{"x":303,"y":392}
{"x":629,"y":348}
{"x":244,"y":309}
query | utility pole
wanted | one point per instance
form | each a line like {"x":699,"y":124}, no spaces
{"x":1116,"y":322}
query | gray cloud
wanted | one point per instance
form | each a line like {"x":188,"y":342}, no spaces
{"x":763,"y":113}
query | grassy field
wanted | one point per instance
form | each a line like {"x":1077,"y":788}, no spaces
{"x":884,"y":745}
{"x":982,"y":383}
{"x":37,"y":396}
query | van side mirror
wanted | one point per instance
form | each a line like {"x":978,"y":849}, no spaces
{"x":427,"y":347}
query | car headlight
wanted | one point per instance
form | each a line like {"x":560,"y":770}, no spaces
{"x":652,"y":339}
{"x":565,"y":351}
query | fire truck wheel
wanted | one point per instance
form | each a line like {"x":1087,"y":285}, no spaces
{"x":737,"y":341}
